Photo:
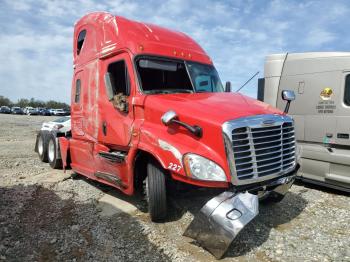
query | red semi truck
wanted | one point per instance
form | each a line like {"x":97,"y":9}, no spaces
{"x":147,"y":106}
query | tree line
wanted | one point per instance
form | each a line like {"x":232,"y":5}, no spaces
{"x":23,"y":102}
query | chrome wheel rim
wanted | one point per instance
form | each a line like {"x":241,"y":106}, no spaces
{"x":51,"y":150}
{"x":40,"y":146}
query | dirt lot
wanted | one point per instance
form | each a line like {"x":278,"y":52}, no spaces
{"x":47,"y":215}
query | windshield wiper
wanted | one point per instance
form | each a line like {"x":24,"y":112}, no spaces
{"x":180,"y":91}
{"x":168,"y":91}
{"x":156,"y":91}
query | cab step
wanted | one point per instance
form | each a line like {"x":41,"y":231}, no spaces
{"x":114,"y":156}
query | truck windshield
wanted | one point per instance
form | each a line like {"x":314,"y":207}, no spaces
{"x":160,"y":76}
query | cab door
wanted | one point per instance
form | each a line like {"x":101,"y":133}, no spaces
{"x":343,"y":116}
{"x":116,"y":115}
{"x":115,"y":119}
{"x":340,"y":157}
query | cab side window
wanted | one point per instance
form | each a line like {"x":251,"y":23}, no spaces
{"x":80,"y":41}
{"x":119,"y":78}
{"x":77,"y":91}
{"x":120,"y":85}
{"x":347,"y":91}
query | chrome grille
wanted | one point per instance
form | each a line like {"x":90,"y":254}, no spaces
{"x":261,"y":151}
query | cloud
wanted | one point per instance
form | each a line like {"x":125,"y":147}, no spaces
{"x":319,"y":37}
{"x":36,"y":42}
{"x":19,"y":5}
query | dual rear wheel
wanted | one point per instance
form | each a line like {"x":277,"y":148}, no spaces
{"x":42,"y":147}
{"x":48,"y":150}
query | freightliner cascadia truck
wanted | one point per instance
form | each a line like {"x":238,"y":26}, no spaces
{"x":148,"y":107}
{"x":321,"y":82}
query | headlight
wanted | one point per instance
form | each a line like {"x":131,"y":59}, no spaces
{"x":202,"y":168}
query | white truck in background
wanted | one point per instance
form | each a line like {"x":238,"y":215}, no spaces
{"x":321,"y":82}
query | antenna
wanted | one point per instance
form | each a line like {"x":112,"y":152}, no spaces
{"x":248,"y":81}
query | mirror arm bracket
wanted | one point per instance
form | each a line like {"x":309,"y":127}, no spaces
{"x":171,"y":117}
{"x":289,"y":96}
{"x":286,"y":109}
{"x":196,"y":130}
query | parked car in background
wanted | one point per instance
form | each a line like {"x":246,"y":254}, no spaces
{"x":67,"y":112}
{"x":60,"y":125}
{"x":45,"y":112}
{"x":39,"y":109}
{"x":32,"y":111}
{"x":59,"y":112}
{"x":26,"y":109}
{"x":16,"y":110}
{"x":5,"y":110}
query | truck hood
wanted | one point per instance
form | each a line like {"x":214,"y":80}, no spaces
{"x":214,"y":108}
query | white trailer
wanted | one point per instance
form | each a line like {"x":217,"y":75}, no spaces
{"x":321,"y":82}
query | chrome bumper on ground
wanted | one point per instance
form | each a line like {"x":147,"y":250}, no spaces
{"x":224,"y":216}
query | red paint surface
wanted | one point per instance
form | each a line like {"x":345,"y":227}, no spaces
{"x":64,"y":149}
{"x":110,"y":38}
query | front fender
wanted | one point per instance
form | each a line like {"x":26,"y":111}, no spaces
{"x":151,"y":144}
{"x":169,"y":148}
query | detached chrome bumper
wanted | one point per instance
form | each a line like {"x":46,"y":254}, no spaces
{"x":224,"y":216}
{"x":221,"y":219}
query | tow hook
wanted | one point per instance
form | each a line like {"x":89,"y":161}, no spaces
{"x":221,"y":219}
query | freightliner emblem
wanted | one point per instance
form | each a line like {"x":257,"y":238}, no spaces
{"x":268,"y":122}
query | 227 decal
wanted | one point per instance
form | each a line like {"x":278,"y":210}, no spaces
{"x":174,"y":167}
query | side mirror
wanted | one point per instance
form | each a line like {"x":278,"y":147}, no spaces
{"x":228,"y":87}
{"x":171,"y":117}
{"x":168,"y":117}
{"x":289,"y":96}
{"x":109,"y":87}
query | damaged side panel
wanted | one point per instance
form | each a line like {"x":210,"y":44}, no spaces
{"x":169,"y":150}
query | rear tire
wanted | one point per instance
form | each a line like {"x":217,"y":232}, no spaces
{"x":52,"y":153}
{"x":156,"y":192}
{"x":42,"y":147}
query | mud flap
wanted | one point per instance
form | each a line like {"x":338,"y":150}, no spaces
{"x":221,"y":219}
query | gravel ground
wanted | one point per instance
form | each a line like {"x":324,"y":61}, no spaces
{"x":47,"y":215}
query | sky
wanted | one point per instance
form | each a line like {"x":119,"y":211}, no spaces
{"x":36,"y":36}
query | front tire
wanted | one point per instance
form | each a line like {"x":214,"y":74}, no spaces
{"x":52,"y":153}
{"x":156,"y":192}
